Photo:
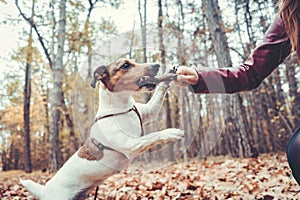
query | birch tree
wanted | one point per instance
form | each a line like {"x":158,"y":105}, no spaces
{"x":57,"y":95}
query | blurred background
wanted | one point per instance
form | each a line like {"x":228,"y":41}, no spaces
{"x":50,"y":48}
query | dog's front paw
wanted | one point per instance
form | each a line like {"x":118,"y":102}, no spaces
{"x":172,"y":134}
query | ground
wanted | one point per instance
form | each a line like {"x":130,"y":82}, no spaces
{"x":264,"y":178}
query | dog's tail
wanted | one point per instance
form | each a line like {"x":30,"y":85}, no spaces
{"x":33,"y":187}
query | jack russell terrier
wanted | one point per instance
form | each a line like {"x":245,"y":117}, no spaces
{"x":116,"y":136}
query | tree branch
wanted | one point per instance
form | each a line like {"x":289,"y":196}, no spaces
{"x":40,"y":38}
{"x":236,"y":51}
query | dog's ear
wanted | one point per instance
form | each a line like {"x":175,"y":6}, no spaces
{"x":99,"y":74}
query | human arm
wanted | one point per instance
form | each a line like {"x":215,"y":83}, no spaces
{"x":274,"y":48}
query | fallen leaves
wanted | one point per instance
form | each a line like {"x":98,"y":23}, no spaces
{"x":264,"y":178}
{"x":267,"y":177}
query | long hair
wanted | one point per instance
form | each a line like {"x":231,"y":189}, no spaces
{"x":290,"y":13}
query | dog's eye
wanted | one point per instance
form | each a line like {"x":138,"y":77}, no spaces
{"x":126,"y":66}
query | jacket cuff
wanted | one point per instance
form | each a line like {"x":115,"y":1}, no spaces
{"x":200,"y":86}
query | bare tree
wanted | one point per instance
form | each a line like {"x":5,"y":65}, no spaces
{"x":57,"y":94}
{"x":27,"y":94}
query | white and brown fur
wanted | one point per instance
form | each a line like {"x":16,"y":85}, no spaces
{"x":89,"y":166}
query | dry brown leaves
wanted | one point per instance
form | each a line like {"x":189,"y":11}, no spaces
{"x":264,"y":178}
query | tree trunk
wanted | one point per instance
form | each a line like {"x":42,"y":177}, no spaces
{"x":57,"y":95}
{"x":169,"y":124}
{"x":218,"y":36}
{"x":27,"y":93}
{"x":294,"y":92}
{"x":160,"y":34}
{"x":45,"y":100}
{"x":26,"y":114}
{"x":220,"y":45}
{"x":87,"y":39}
{"x":143,"y":21}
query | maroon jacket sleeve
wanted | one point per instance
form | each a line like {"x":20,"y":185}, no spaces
{"x":274,"y":48}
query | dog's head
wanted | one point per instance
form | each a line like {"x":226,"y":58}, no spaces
{"x":126,"y":74}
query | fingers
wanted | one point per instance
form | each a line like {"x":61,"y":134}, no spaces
{"x":186,"y":76}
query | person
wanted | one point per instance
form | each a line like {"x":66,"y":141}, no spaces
{"x":280,"y":40}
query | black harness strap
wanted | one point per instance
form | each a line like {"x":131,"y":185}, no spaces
{"x":111,"y":115}
{"x":140,"y":118}
{"x":96,"y":192}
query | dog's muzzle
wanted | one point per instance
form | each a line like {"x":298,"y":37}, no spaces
{"x":150,"y":82}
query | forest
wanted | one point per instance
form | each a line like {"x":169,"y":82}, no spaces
{"x":47,"y":105}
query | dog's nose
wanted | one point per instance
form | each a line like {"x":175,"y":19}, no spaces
{"x":155,"y":67}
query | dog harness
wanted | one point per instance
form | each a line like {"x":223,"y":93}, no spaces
{"x":121,"y":113}
{"x":98,"y":144}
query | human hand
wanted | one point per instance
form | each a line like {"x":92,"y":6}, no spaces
{"x":186,"y":76}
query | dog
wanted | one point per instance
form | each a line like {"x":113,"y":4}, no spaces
{"x":116,"y":136}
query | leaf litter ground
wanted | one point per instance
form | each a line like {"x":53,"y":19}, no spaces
{"x":266,"y":177}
